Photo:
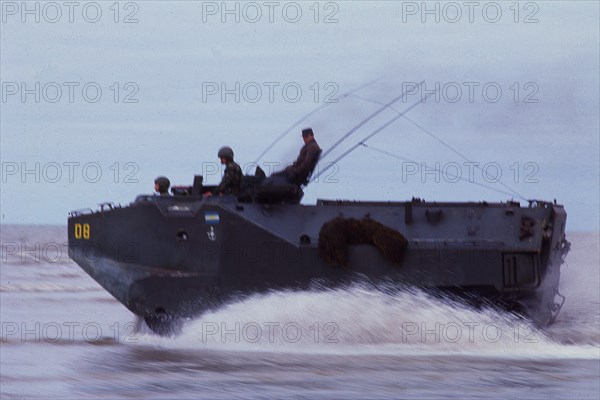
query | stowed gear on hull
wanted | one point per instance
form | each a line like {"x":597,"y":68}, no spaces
{"x":177,"y":256}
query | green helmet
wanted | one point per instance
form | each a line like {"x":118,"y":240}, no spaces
{"x":226,"y":152}
{"x":163,"y":184}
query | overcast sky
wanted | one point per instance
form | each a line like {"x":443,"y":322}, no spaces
{"x":99,"y":98}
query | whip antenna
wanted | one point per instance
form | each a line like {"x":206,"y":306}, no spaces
{"x":369,"y":136}
{"x":367,"y":119}
{"x":316,"y":110}
{"x":514,"y":192}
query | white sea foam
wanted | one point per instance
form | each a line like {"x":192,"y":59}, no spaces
{"x":366,"y":320}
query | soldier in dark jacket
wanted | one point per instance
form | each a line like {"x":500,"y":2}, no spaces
{"x":232,"y":179}
{"x":300,"y":170}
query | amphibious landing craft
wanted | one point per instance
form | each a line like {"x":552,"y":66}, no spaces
{"x":171,"y":257}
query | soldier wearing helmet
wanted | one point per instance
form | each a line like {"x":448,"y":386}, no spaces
{"x":161,"y":185}
{"x":232,"y":179}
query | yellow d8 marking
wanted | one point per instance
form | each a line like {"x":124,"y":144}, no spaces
{"x":82,"y":231}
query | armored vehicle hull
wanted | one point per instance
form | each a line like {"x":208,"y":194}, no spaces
{"x":170,"y":257}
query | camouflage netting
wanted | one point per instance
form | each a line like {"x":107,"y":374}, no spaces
{"x":336,"y":235}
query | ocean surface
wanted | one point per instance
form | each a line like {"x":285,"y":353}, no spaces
{"x":64,"y":337}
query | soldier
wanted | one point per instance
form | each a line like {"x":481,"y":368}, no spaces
{"x":161,"y":185}
{"x":232,"y":179}
{"x":299,"y":172}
